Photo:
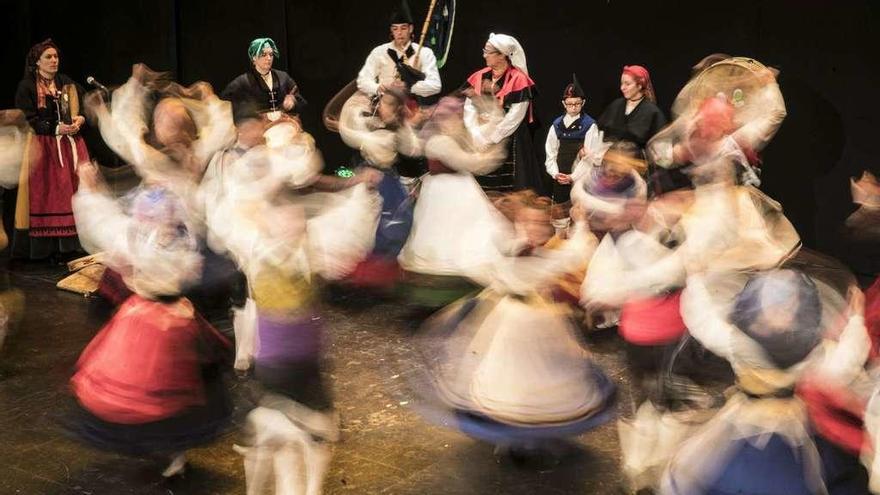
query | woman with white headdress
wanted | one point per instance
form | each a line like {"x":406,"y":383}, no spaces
{"x":504,"y":83}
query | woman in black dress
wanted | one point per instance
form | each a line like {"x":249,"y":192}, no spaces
{"x":635,"y":116}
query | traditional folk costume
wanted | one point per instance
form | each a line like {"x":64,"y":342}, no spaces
{"x":44,"y":219}
{"x":772,"y":329}
{"x":124,"y":125}
{"x":639,"y":124}
{"x":416,"y":67}
{"x":283,"y":241}
{"x":566,"y":137}
{"x":508,"y":366}
{"x":381,"y":69}
{"x":382,"y":66}
{"x":222,"y":177}
{"x":456,"y":229}
{"x":174,"y":399}
{"x":733,"y":108}
{"x":750,"y":87}
{"x":841,"y":412}
{"x":633,"y":272}
{"x":263,"y":93}
{"x":150,"y":380}
{"x":512,"y":92}
{"x":381,"y":146}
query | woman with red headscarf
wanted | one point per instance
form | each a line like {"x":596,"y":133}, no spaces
{"x":635,"y":116}
{"x":50,"y":101}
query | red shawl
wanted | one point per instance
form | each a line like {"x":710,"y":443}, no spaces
{"x":514,"y":80}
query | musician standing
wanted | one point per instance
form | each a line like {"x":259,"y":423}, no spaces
{"x":381,"y":67}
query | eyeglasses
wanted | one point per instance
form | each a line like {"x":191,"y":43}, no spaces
{"x":491,"y":52}
{"x":573,"y":105}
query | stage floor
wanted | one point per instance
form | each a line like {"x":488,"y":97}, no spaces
{"x":386,"y":446}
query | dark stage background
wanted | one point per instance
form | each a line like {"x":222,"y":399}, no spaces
{"x":826,"y":51}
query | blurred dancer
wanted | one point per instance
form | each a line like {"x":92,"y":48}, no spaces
{"x":507,"y":366}
{"x":382,"y":130}
{"x":168,"y":134}
{"x":775,"y":327}
{"x":633,"y":270}
{"x":149,"y":382}
{"x":731,"y":106}
{"x":456,"y":229}
{"x":283,"y":237}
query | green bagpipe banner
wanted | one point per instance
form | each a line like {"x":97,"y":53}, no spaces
{"x":439,"y":37}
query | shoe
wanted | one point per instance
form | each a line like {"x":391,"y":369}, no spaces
{"x":177,"y":466}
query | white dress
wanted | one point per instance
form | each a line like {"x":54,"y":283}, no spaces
{"x":511,"y":355}
{"x":456,"y":230}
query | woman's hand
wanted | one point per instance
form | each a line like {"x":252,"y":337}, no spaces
{"x":856,"y":299}
{"x":67,"y":129}
{"x":577,"y":214}
{"x":563,"y":178}
{"x":288,"y":103}
{"x":369,"y":176}
{"x":78,"y":122}
{"x":89,"y":177}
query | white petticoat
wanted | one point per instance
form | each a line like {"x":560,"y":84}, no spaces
{"x":456,"y":229}
{"x":514,"y":361}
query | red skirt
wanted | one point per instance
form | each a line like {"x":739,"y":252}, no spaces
{"x":652,"y":321}
{"x":146,"y":364}
{"x":52,"y":183}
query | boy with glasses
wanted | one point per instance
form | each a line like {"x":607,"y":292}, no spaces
{"x":565,"y":139}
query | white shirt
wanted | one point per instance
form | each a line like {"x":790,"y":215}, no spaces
{"x":552,"y":147}
{"x":380,"y":69}
{"x":485,"y":131}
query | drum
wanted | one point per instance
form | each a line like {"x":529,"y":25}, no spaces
{"x":334,"y":107}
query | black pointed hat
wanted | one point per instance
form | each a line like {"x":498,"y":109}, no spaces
{"x":573,"y":90}
{"x":401,"y":15}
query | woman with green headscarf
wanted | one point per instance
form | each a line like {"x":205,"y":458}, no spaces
{"x":262,"y":88}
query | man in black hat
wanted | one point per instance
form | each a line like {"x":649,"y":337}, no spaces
{"x":392,"y":63}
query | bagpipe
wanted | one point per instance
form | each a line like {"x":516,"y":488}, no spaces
{"x":436,"y":34}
